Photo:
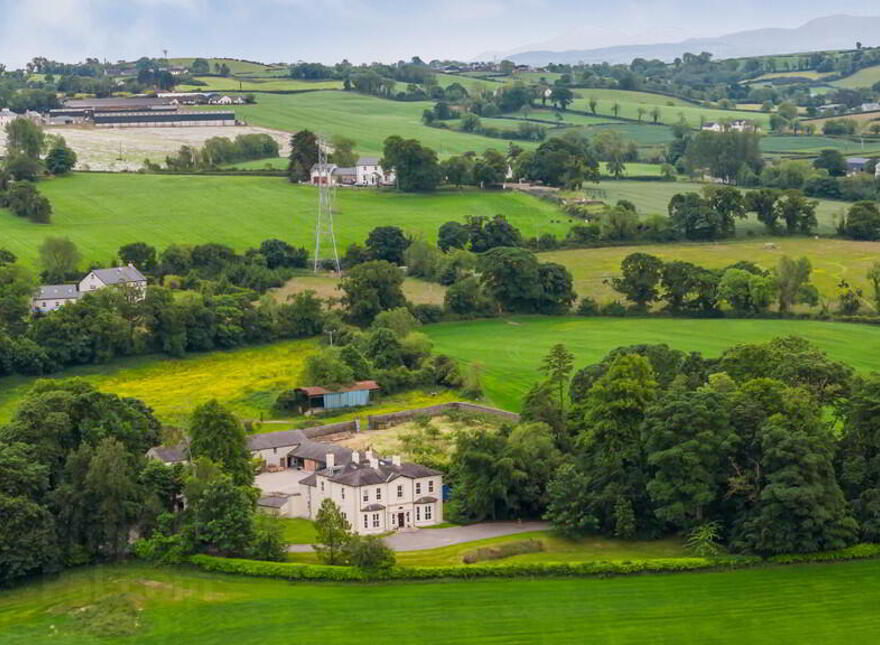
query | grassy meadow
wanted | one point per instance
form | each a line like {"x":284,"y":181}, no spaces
{"x":671,"y":108}
{"x":137,"y":603}
{"x":269,"y":84}
{"x":366,"y":119}
{"x":866,"y":77}
{"x":101,"y":212}
{"x":509,"y":351}
{"x":833,"y":260}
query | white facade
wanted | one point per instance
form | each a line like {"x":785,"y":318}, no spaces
{"x":54,"y":296}
{"x":128,"y":276}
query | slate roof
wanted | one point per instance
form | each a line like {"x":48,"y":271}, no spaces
{"x":119,"y":275}
{"x":282,"y":439}
{"x":348,"y":172}
{"x":272,"y":501}
{"x":57,"y":292}
{"x":311,"y":480}
{"x":363,"y":474}
{"x":168,"y":454}
{"x":359,"y":385}
{"x":367,"y":161}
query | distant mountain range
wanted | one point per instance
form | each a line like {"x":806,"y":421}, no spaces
{"x":831,"y":32}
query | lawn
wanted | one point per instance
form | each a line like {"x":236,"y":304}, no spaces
{"x":866,"y":77}
{"x":556,"y":549}
{"x":510,"y":351}
{"x":366,"y":119}
{"x":671,"y":108}
{"x":298,"y":530}
{"x":101,"y":212}
{"x":832,"y":260}
{"x":799,"y":604}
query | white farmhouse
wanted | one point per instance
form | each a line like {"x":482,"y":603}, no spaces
{"x":370,"y":173}
{"x":54,"y":296}
{"x":127,"y":276}
{"x":377,"y":495}
{"x":7,"y":116}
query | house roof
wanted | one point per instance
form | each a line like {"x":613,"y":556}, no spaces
{"x":57,"y":292}
{"x":364,"y":474}
{"x":168,"y":454}
{"x":272,"y":501}
{"x":325,"y":167}
{"x":280,"y":439}
{"x":345,"y":171}
{"x":119,"y":275}
{"x":310,"y":480}
{"x":367,"y":161}
{"x":857,"y":160}
{"x":315,"y":390}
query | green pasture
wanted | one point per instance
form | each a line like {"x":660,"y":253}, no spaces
{"x":231,"y":84}
{"x":366,"y":119}
{"x":473,"y":85}
{"x":866,"y":77}
{"x":653,"y":198}
{"x":235,"y":66}
{"x":798,"y":604}
{"x":671,"y":108}
{"x":509,"y":351}
{"x":101,"y":212}
{"x":815,"y":144}
{"x":833,"y":260}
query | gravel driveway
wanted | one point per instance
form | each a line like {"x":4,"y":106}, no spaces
{"x":422,"y":539}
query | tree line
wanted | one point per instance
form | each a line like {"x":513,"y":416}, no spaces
{"x":735,"y":452}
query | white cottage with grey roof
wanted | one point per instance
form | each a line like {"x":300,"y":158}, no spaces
{"x":127,"y":276}
{"x":54,"y":296}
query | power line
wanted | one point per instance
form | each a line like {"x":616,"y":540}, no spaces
{"x":326,"y":195}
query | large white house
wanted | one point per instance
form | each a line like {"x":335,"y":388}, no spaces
{"x":366,"y":172}
{"x":375,"y":494}
{"x":127,"y":276}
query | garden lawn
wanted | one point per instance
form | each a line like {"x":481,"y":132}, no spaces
{"x":298,"y":530}
{"x":510,"y":351}
{"x":827,"y":604}
{"x":101,"y":212}
{"x":368,"y":120}
{"x":833,"y":260}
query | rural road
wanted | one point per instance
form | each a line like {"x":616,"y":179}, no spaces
{"x":422,"y":539}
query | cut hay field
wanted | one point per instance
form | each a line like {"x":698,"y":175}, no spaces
{"x":101,"y":212}
{"x":101,"y":148}
{"x":509,"y":351}
{"x":832,"y":260}
{"x":366,"y":119}
{"x":671,"y":108}
{"x":866,"y":77}
{"x":830,"y":604}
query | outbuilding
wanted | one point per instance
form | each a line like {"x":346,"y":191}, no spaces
{"x":345,"y":397}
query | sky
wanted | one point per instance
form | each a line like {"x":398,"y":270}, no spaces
{"x":374,"y":30}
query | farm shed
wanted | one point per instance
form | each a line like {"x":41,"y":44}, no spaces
{"x":344,"y":397}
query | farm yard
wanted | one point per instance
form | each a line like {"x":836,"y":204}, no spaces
{"x":101,"y":149}
{"x":100,"y":213}
{"x":819,"y":603}
{"x":510,"y":350}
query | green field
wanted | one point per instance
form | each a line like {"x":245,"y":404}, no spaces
{"x":235,"y":66}
{"x":366,"y":119}
{"x":230,"y":84}
{"x":813,"y":145}
{"x":866,"y":77}
{"x":510,"y":350}
{"x":832,"y":260}
{"x":653,"y":198}
{"x":827,"y":604}
{"x":101,"y":212}
{"x":671,"y":108}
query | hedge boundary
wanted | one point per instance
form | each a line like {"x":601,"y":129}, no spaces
{"x":318,"y":572}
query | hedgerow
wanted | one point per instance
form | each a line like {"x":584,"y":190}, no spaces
{"x":296,"y":571}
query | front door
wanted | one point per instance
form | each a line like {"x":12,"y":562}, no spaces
{"x":399,"y":520}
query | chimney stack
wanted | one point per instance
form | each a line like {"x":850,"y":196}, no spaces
{"x":331,"y":460}
{"x":374,"y":463}
{"x":355,"y":457}
{"x":396,"y":460}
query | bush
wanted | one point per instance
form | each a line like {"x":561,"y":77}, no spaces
{"x":370,"y":554}
{"x":613,"y":309}
{"x":587,"y":307}
{"x":501,"y":551}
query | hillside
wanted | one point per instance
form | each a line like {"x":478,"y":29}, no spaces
{"x":827,"y":33}
{"x":101,"y":212}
